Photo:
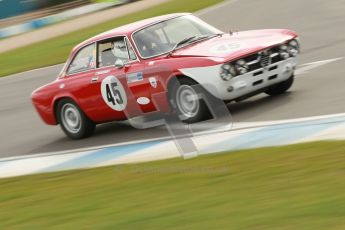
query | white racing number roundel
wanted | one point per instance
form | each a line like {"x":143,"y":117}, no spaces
{"x":113,"y":93}
{"x":226,"y":47}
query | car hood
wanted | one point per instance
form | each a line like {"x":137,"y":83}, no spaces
{"x":236,"y":45}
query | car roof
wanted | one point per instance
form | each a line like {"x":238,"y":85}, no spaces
{"x":129,"y":28}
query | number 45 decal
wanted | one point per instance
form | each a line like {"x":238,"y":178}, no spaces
{"x":113,"y":93}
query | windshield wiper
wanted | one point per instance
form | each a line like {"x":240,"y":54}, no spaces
{"x":192,"y":39}
{"x":186,"y":40}
{"x":209,"y":36}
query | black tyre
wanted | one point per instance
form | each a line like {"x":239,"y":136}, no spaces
{"x":281,"y":87}
{"x":185,"y":99}
{"x":73,"y":120}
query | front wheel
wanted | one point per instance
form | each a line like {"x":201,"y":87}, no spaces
{"x":280,"y":87}
{"x":73,"y":120}
{"x":186,"y":101}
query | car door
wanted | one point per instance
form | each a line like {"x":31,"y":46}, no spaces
{"x":85,"y":83}
{"x":107,"y":86}
{"x":138,"y":80}
{"x":118,"y":88}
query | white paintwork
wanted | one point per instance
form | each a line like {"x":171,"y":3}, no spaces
{"x":209,"y":78}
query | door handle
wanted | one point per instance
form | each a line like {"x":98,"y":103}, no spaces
{"x":94,"y":79}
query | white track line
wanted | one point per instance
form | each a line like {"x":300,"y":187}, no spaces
{"x":246,"y":125}
{"x":305,"y":68}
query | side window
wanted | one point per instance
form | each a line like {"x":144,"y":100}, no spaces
{"x":112,"y":50}
{"x":131,"y":52}
{"x":83,"y":60}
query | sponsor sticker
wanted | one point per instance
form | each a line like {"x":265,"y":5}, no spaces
{"x":133,"y":77}
{"x":143,"y":100}
{"x":153,"y":82}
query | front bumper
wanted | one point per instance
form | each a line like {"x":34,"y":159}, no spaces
{"x":242,"y":85}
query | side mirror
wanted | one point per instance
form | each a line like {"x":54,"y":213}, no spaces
{"x":119,"y":64}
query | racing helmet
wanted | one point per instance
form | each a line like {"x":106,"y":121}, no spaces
{"x":120,"y":50}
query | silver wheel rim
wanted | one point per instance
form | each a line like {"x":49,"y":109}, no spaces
{"x":70,"y":117}
{"x":187,"y":101}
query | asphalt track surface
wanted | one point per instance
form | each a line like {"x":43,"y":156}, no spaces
{"x":320,"y":91}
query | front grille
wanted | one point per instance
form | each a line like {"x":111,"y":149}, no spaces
{"x":265,"y":58}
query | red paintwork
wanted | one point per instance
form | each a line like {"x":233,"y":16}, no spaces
{"x":87,"y":95}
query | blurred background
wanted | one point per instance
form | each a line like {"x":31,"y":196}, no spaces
{"x":13,"y":12}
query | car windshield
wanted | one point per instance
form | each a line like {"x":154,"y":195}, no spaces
{"x":165,"y":36}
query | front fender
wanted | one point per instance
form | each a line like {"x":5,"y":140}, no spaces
{"x":207,"y":76}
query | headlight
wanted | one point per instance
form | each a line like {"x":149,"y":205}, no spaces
{"x":241,"y":67}
{"x":283,"y":51}
{"x":227,"y":72}
{"x":293,"y":48}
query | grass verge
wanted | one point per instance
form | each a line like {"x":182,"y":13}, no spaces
{"x":294,"y":187}
{"x":56,"y":50}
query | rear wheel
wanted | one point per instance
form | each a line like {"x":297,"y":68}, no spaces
{"x":186,"y":101}
{"x":73,"y":120}
{"x":281,"y":87}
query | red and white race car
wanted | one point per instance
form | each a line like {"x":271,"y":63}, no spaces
{"x":129,"y":71}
